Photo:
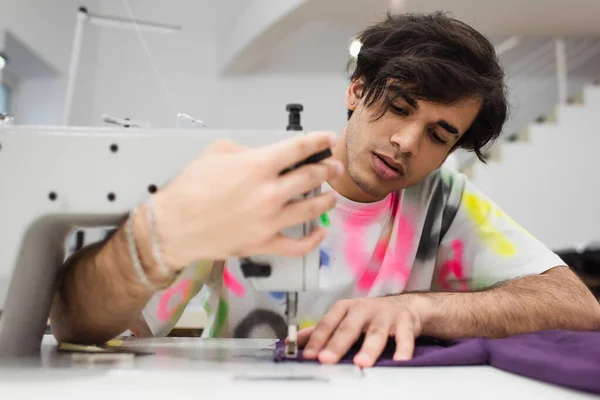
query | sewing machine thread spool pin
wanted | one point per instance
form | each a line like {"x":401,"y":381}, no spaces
{"x":291,"y":298}
{"x":291,"y":303}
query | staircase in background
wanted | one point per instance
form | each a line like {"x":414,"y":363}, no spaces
{"x":548,"y":181}
{"x":541,"y":73}
{"x":541,"y":171}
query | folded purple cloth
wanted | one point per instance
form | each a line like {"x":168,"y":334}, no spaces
{"x":564,"y":358}
{"x":428,"y":352}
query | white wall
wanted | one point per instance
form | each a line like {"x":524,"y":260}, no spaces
{"x":117,"y":78}
{"x":126,"y":85}
{"x":45,"y":29}
{"x":39,"y":101}
{"x":43,"y":25}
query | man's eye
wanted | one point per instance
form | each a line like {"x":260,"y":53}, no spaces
{"x":399,"y":110}
{"x":435,"y":136}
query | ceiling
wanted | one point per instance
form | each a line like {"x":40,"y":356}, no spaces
{"x":520,"y":17}
{"x":313,"y":38}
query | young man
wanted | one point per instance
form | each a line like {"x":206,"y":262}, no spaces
{"x":411,"y":249}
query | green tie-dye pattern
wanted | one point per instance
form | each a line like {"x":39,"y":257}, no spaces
{"x":221,"y":317}
{"x":206,"y":307}
{"x":480,"y":283}
{"x":447,"y":176}
{"x":325,"y":221}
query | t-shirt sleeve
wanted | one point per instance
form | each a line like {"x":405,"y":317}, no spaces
{"x":164,"y":309}
{"x":483,"y":245}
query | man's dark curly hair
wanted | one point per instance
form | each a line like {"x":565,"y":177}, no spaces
{"x":435,"y":58}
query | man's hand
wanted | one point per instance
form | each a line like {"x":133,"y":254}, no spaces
{"x":378,"y":318}
{"x":233,"y":201}
{"x":228,"y":201}
{"x":555,"y":299}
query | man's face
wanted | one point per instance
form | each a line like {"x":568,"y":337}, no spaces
{"x":400,"y":149}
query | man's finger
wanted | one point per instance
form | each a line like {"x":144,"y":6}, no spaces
{"x":304,"y":335}
{"x":301,"y":211}
{"x":288,"y":153}
{"x":405,"y":339}
{"x":324,"y":329}
{"x":285,"y":246}
{"x":346,"y":334}
{"x":375,"y":341}
{"x":308,"y":177}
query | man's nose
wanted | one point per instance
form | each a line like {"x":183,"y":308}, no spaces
{"x":408,"y":139}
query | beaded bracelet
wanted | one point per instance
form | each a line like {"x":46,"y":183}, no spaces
{"x":137,"y":264}
{"x":156,"y":250}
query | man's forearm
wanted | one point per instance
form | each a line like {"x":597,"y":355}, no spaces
{"x":100,"y":295}
{"x":556,"y":299}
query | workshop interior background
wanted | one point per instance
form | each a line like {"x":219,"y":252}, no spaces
{"x":238,"y":63}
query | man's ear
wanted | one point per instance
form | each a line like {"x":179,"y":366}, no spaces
{"x":354,"y":94}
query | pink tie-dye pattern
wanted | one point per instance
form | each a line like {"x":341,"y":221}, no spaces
{"x":164,"y":313}
{"x":357,"y":256}
{"x":397,"y":263}
{"x":233,"y":284}
{"x":380,"y":249}
{"x":367,"y":280}
{"x":454,"y":266}
{"x":394,"y":265}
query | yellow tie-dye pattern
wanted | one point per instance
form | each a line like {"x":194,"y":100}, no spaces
{"x":307,"y":323}
{"x":499,"y":213}
{"x":479,"y":210}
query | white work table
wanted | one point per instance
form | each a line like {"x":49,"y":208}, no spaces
{"x":205,"y":368}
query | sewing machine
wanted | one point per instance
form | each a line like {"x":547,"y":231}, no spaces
{"x":54,"y":180}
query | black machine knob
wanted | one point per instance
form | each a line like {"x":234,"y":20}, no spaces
{"x":252,"y":269}
{"x":294,"y":110}
{"x":294,"y":116}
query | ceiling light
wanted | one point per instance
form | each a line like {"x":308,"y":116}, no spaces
{"x":2,"y":61}
{"x":355,"y":48}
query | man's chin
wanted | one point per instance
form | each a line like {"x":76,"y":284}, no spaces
{"x":373,"y":188}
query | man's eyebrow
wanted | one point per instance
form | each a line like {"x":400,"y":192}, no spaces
{"x":400,"y":92}
{"x":450,"y":128}
{"x":411,"y":101}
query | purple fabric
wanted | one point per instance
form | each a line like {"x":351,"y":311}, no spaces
{"x":428,"y":352}
{"x":565,"y":358}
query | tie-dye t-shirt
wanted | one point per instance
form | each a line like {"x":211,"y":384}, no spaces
{"x":440,"y":235}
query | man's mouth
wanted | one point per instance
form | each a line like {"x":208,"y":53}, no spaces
{"x":391,"y":163}
{"x":386,"y":168}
